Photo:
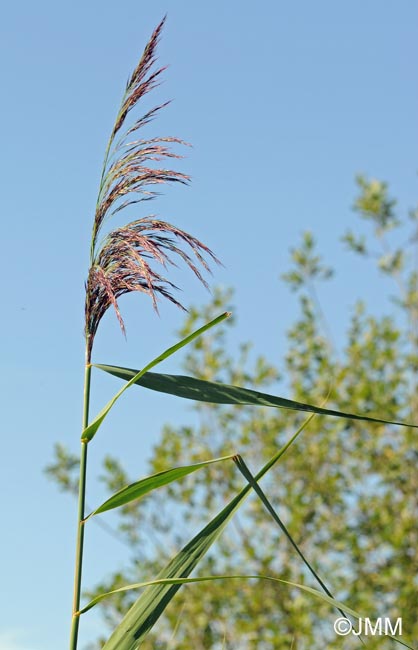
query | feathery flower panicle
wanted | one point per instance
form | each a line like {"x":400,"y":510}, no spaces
{"x":122,"y":263}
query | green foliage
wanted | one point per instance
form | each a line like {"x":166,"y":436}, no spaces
{"x":346,"y":490}
{"x":374,"y":203}
{"x":308,"y":266}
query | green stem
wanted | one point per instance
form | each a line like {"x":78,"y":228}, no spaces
{"x":80,"y":515}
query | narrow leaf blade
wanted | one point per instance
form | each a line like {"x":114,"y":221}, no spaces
{"x":217,"y":393}
{"x":245,"y":471}
{"x":144,"y":486}
{"x":340,"y":606}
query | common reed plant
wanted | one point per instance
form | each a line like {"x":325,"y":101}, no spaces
{"x":125,"y":260}
{"x":136,"y":258}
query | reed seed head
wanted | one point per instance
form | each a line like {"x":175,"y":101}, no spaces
{"x":125,"y":260}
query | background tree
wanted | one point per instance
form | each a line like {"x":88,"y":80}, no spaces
{"x":347,"y":491}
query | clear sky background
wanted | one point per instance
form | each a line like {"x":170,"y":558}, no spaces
{"x":284,"y":102}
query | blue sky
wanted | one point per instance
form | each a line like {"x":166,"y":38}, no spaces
{"x":284,"y":102}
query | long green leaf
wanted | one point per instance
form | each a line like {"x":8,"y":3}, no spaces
{"x":217,"y":393}
{"x":245,"y":471}
{"x":145,"y":485}
{"x":341,"y":607}
{"x":181,"y":581}
{"x":91,"y":430}
{"x":151,"y":604}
